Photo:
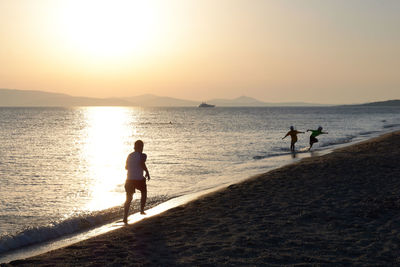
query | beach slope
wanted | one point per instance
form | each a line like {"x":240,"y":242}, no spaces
{"x":342,"y":208}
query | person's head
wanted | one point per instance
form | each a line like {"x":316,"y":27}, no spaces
{"x":291,"y":128}
{"x":319,"y":128}
{"x":139,"y":146}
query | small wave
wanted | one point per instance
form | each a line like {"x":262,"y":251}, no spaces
{"x":337,"y":141}
{"x":270,"y":155}
{"x":282,"y":149}
{"x":157,"y":123}
{"x":387,"y":126}
{"x":367,"y":133}
{"x":81,"y":222}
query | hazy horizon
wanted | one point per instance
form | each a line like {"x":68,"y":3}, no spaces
{"x":327,"y":52}
{"x":148,"y":96}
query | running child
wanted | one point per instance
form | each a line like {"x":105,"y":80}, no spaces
{"x":293,"y":135}
{"x":314,"y":134}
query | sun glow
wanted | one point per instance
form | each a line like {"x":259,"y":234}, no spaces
{"x":109,"y":29}
{"x":105,"y":151}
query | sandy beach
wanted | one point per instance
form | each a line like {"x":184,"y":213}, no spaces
{"x":338,"y":209}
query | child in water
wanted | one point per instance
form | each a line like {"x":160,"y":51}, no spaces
{"x":314,"y":134}
{"x":293,"y":134}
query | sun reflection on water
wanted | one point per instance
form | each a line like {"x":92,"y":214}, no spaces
{"x":106,"y":146}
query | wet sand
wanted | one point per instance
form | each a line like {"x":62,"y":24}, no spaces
{"x":338,"y":209}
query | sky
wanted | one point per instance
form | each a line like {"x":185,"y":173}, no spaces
{"x":330,"y":51}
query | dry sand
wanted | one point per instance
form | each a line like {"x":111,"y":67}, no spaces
{"x":339,"y":209}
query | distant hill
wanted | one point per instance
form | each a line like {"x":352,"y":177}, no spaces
{"x":388,"y":103}
{"x":245,"y":101}
{"x":237,"y":102}
{"x":149,"y":100}
{"x":23,"y":98}
{"x":19,"y":98}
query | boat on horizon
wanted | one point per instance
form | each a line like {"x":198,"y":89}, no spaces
{"x":205,"y":105}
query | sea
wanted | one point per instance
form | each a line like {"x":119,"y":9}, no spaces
{"x":62,"y":169}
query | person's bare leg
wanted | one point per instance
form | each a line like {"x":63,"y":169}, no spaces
{"x":143,"y":202}
{"x":126,"y":207}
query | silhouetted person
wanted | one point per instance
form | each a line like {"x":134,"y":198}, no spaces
{"x":135,"y":164}
{"x":293,"y":135}
{"x":314,"y":134}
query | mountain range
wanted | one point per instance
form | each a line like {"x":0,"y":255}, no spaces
{"x":18,"y":98}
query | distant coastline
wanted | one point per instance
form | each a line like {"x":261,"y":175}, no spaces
{"x":30,"y":98}
{"x":387,"y":103}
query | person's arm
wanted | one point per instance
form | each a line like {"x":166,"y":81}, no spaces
{"x":299,"y":132}
{"x":126,"y":164}
{"x":324,"y":132}
{"x":145,"y":167}
{"x":146,"y":170}
{"x":285,"y":136}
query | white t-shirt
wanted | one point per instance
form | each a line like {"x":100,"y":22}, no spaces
{"x":134,"y":165}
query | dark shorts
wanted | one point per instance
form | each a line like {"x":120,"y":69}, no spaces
{"x":131,"y":185}
{"x":313,"y":139}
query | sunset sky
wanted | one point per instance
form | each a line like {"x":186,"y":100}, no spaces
{"x":338,"y":51}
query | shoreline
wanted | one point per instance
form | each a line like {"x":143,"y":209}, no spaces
{"x":320,"y":210}
{"x":35,"y":249}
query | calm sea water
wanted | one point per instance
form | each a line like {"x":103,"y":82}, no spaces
{"x":62,"y":169}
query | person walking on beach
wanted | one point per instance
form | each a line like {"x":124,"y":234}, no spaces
{"x":135,"y":165}
{"x":293,"y":135}
{"x":314,"y":134}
